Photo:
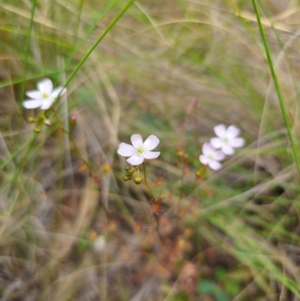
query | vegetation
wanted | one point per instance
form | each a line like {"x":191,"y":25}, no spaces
{"x":72,"y":228}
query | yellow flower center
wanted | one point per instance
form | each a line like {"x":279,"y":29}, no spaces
{"x":140,"y":150}
{"x":45,"y":95}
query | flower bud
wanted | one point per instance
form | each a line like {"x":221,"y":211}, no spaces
{"x":31,"y":119}
{"x":73,"y":119}
{"x":138,"y":180}
{"x":106,"y":168}
{"x":126,"y":178}
{"x":127,"y":168}
{"x":99,"y":244}
{"x":37,"y":129}
{"x":47,"y":122}
{"x":201,"y":173}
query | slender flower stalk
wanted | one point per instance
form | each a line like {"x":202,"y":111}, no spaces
{"x":146,"y":182}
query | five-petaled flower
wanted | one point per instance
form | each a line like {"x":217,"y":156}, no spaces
{"x":227,"y":139}
{"x":44,"y":96}
{"x":211,"y":156}
{"x":139,"y":150}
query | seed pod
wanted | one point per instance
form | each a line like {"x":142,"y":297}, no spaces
{"x":31,"y":119}
{"x":138,"y":180}
{"x":37,"y":129}
{"x":126,"y":178}
{"x":127,"y":168}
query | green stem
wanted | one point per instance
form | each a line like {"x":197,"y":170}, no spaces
{"x":72,"y":140}
{"x":146,"y":182}
{"x":28,"y":38}
{"x":28,"y":42}
{"x":277,"y":87}
{"x":106,"y":31}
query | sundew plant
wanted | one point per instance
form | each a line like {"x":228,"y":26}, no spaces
{"x":149,"y":150}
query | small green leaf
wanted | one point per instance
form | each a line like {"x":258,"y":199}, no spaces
{"x":206,"y":286}
{"x":220,"y":274}
{"x":232,"y":287}
{"x":221,"y":295}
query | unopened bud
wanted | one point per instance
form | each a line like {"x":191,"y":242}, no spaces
{"x":47,"y":122}
{"x":138,"y":180}
{"x":201,"y":173}
{"x":127,"y":168}
{"x":31,"y":119}
{"x":106,"y":168}
{"x":37,"y":129}
{"x":73,"y":119}
{"x":126,"y":178}
{"x":99,"y":244}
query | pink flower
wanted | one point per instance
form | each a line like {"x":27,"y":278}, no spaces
{"x":211,"y":156}
{"x":139,"y":150}
{"x":227,"y":139}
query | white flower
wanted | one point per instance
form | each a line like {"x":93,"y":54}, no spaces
{"x":227,"y":139}
{"x":99,"y":244}
{"x":139,"y":150}
{"x":44,"y":96}
{"x":211,"y":156}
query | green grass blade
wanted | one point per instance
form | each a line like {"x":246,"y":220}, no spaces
{"x":106,"y":31}
{"x":277,"y":87}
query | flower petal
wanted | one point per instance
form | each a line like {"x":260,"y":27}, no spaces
{"x":57,"y":92}
{"x":216,"y":142}
{"x":207,"y":148}
{"x":137,"y":140}
{"x":220,"y":130}
{"x":45,"y":86}
{"x":47,"y":103}
{"x":126,"y":150}
{"x":227,"y":149}
{"x":215,"y":165}
{"x":32,"y":104}
{"x":219,"y":155}
{"x":151,"y":143}
{"x":35,"y":94}
{"x":136,"y":159}
{"x":233,"y":131}
{"x":237,"y":142}
{"x":203,"y":159}
{"x":150,"y":155}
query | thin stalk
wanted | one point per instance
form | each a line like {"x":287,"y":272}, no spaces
{"x":72,"y":140}
{"x":146,"y":182}
{"x":28,"y":41}
{"x":277,"y":87}
{"x":96,"y":22}
{"x":106,"y":31}
{"x":79,"y":16}
{"x":28,"y":38}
